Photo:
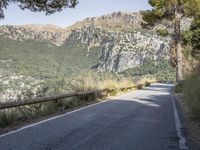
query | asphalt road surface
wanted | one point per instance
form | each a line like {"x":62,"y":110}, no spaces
{"x":141,"y":120}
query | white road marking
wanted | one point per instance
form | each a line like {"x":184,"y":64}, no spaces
{"x":182,"y":139}
{"x":52,"y":118}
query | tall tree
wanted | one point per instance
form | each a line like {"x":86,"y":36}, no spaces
{"x":174,"y":11}
{"x":47,"y":6}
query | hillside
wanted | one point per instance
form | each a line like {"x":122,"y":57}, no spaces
{"x":117,"y":21}
{"x":31,"y":55}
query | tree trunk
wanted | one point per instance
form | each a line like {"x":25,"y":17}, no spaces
{"x":178,"y":48}
{"x":179,"y":68}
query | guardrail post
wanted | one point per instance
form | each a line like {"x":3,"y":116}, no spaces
{"x":56,"y":98}
{"x":55,"y":103}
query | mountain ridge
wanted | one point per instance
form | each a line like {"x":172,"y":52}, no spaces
{"x":39,"y":55}
{"x":57,"y":35}
{"x":123,"y":43}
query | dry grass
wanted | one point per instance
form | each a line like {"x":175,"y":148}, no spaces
{"x":144,"y":80}
{"x":95,"y":81}
{"x":192,"y":125}
{"x":191,"y":92}
{"x":84,"y":82}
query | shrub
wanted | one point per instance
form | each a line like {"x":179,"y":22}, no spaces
{"x":99,"y":80}
{"x":139,"y":86}
{"x":162,"y":70}
{"x":146,"y":80}
{"x":6,"y":119}
{"x":179,"y":87}
{"x":162,"y":32}
{"x":191,"y":93}
{"x":82,"y":83}
{"x":147,"y":84}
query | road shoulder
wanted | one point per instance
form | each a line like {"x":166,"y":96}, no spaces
{"x":191,"y":128}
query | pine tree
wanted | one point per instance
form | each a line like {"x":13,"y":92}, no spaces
{"x":47,"y":6}
{"x":174,"y":11}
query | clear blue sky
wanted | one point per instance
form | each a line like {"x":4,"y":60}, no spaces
{"x":86,"y":8}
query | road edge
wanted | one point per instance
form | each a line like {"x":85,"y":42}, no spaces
{"x":178,"y":124}
{"x":62,"y":115}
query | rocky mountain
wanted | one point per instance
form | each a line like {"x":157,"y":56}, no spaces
{"x":45,"y":33}
{"x":122,"y":50}
{"x":119,"y":36}
{"x":115,"y":42}
{"x":56,"y":35}
{"x":117,"y":21}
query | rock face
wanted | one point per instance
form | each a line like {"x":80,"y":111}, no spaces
{"x":122,"y":50}
{"x":44,"y":33}
{"x":131,"y":51}
{"x":117,"y":21}
{"x":122,"y":42}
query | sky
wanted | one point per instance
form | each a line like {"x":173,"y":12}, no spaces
{"x":86,"y":8}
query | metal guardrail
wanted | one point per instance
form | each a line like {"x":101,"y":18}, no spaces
{"x":36,"y":100}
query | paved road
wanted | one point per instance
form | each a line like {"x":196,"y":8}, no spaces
{"x":142,"y":120}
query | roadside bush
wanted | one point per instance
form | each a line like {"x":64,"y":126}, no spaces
{"x":81,"y":83}
{"x":162,"y":32}
{"x":139,"y":86}
{"x":146,"y":80}
{"x":191,"y":93}
{"x":99,"y":80}
{"x":179,"y":87}
{"x":147,"y":84}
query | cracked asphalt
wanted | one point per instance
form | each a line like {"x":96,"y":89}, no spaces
{"x":141,"y":120}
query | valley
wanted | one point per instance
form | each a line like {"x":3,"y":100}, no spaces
{"x":37,"y":57}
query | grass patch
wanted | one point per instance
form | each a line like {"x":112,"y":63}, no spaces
{"x":83,"y":82}
{"x":99,"y":80}
{"x":191,"y":92}
{"x":147,"y":84}
{"x":179,"y":87}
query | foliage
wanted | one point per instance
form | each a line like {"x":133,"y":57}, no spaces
{"x":161,"y":70}
{"x":165,"y":9}
{"x":83,"y":82}
{"x":179,"y":87}
{"x":146,"y":80}
{"x":191,"y":92}
{"x":47,"y":6}
{"x":192,"y":38}
{"x":49,"y":60}
{"x":166,"y":75}
{"x":99,"y":80}
{"x":172,"y":10}
{"x":162,"y":32}
{"x":139,"y":86}
{"x":147,"y":84}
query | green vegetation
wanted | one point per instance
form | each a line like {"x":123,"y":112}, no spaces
{"x":191,"y":39}
{"x":26,"y":113}
{"x":139,"y":86}
{"x":44,"y":59}
{"x":48,"y":7}
{"x":172,"y":11}
{"x":191,"y":92}
{"x":147,"y":84}
{"x":31,"y":68}
{"x":82,"y":82}
{"x":191,"y":86}
{"x":162,"y":32}
{"x":179,"y":87}
{"x":100,"y":80}
{"x":161,"y":70}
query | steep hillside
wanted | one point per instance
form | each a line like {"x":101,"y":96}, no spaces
{"x":122,"y":50}
{"x":42,"y":33}
{"x":36,"y":53}
{"x":117,"y":21}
